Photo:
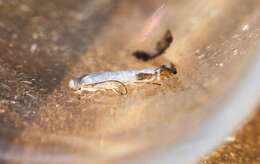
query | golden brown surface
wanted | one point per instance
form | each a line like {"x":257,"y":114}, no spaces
{"x":45,"y":43}
{"x":243,"y":148}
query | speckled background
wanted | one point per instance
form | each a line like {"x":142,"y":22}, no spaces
{"x":243,"y":147}
{"x":43,"y":44}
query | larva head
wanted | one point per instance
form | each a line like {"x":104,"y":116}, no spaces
{"x":167,"y":71}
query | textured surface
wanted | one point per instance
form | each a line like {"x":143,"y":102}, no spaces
{"x":242,"y":148}
{"x":43,"y":44}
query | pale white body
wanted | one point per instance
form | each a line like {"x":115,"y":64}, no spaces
{"x":122,"y":76}
{"x":113,"y":80}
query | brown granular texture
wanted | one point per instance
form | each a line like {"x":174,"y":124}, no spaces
{"x":245,"y":149}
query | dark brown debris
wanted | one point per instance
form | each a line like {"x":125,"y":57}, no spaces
{"x":160,"y":48}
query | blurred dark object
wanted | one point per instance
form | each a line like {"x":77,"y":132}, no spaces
{"x":160,"y":49}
